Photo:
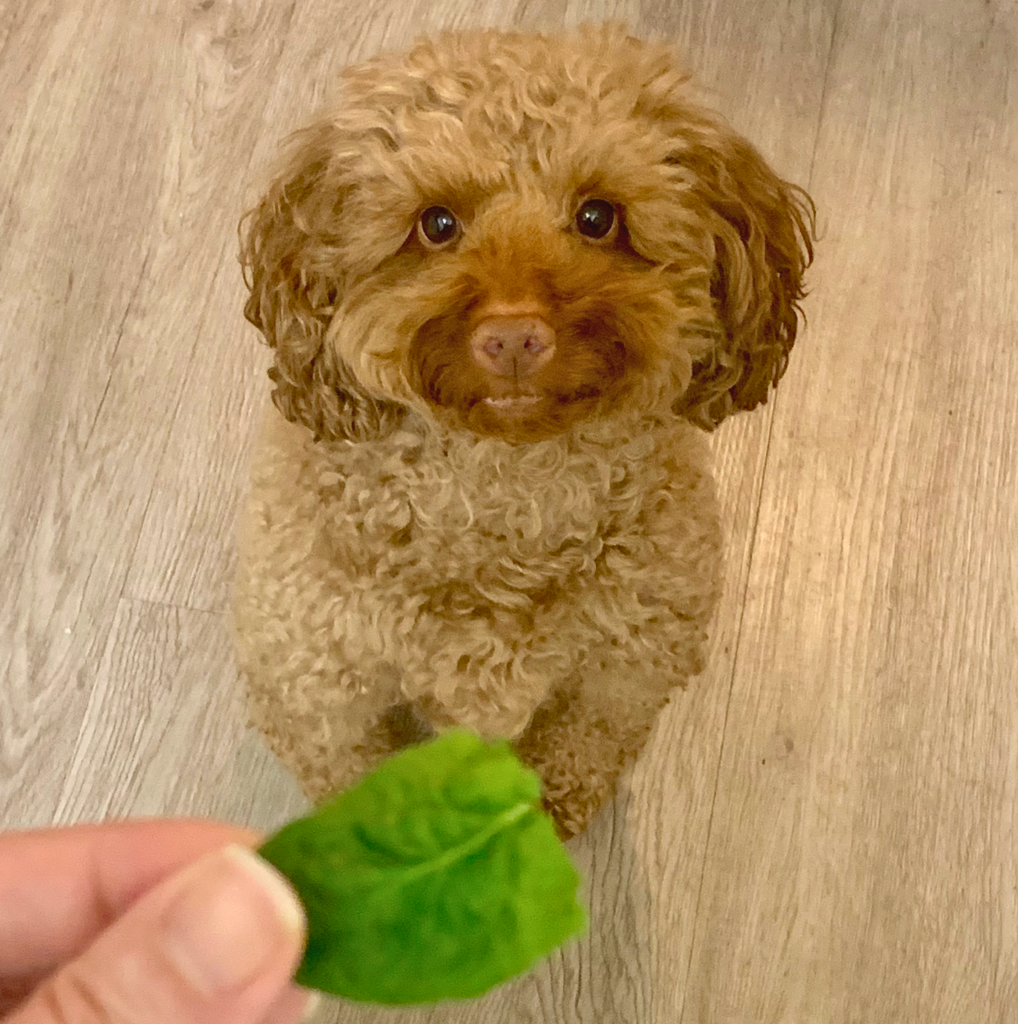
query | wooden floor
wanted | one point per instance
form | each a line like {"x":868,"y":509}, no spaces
{"x":825,"y":830}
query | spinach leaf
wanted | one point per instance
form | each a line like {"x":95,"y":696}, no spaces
{"x":437,"y":876}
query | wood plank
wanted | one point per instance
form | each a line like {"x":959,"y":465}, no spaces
{"x":65,"y":300}
{"x":165,"y":729}
{"x":113,"y":226}
{"x":862,"y":863}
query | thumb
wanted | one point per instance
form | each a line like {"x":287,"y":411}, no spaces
{"x":215,"y":944}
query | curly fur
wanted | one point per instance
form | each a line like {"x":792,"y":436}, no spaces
{"x":414,"y":557}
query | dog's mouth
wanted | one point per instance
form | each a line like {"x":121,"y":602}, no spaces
{"x":533,"y":399}
{"x":514,"y":404}
{"x":530,"y":414}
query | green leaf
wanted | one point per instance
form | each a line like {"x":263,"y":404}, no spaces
{"x":438,"y":876}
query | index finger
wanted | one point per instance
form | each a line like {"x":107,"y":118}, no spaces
{"x":60,"y":888}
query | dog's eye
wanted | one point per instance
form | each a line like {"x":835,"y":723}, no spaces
{"x":595,"y":219}
{"x":437,"y":226}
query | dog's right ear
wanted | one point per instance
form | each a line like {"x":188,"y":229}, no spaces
{"x":291,"y":252}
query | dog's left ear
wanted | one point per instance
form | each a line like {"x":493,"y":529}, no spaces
{"x":762,"y":230}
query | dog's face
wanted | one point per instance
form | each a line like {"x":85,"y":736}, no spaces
{"x":515,"y":233}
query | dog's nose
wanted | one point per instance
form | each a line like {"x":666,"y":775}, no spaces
{"x":512,"y":346}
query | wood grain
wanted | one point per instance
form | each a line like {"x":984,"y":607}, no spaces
{"x":183,"y":748}
{"x":862,"y":860}
{"x":823,"y":829}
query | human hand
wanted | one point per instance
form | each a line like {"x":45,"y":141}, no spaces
{"x":147,"y":922}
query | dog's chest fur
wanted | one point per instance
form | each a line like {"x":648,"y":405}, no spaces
{"x":477,"y":578}
{"x":465,"y":519}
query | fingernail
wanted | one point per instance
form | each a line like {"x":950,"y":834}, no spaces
{"x":233,"y":919}
{"x":311,"y":1007}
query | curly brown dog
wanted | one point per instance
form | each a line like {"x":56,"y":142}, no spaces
{"x":509,"y":280}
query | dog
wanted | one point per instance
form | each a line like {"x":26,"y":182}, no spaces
{"x":510,"y":282}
